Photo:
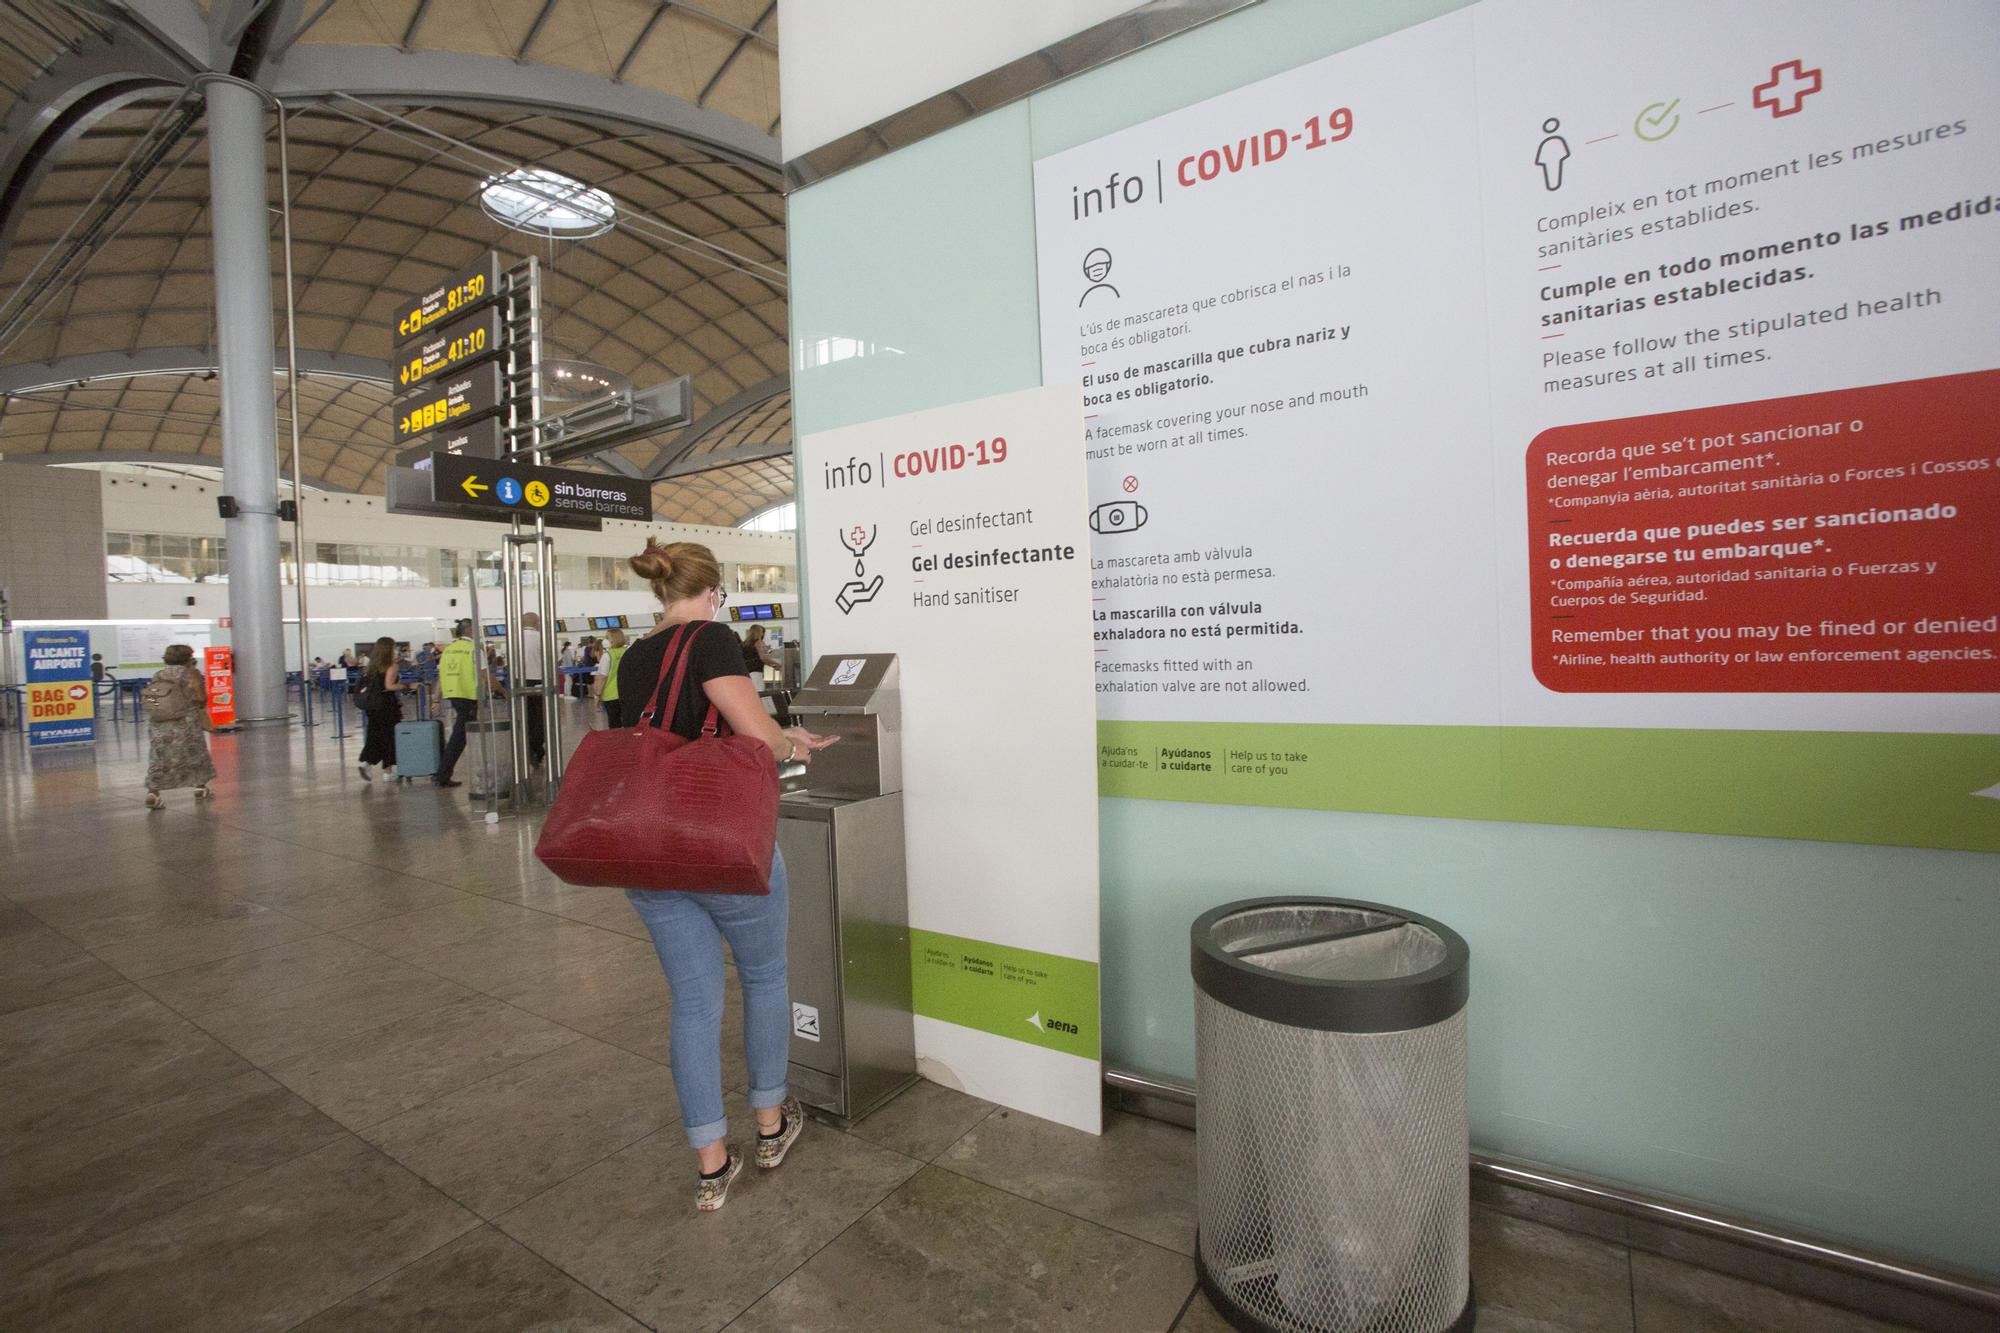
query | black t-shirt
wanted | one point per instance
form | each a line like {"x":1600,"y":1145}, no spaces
{"x":716,"y":652}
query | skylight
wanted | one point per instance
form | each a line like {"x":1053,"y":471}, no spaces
{"x":547,"y":203}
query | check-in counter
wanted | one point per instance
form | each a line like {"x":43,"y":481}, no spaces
{"x":840,"y":826}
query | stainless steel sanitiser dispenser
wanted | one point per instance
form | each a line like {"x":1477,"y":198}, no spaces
{"x":840,"y":826}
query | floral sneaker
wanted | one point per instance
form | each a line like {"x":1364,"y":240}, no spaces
{"x":711,"y":1192}
{"x":771,"y":1149}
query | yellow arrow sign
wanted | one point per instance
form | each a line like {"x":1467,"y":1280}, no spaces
{"x":472,"y":486}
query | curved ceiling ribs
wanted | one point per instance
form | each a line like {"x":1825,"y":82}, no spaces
{"x":669,"y":107}
{"x":171,"y":417}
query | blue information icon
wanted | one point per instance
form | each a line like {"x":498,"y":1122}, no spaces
{"x":508,"y":490}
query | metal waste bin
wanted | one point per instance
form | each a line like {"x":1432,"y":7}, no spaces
{"x":1331,"y":1134}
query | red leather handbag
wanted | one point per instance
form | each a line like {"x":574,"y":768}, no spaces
{"x":644,"y":808}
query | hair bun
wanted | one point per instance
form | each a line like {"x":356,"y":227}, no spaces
{"x":678,"y":570}
{"x":653,"y":564}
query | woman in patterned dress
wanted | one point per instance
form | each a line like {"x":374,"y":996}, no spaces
{"x":177,"y":755}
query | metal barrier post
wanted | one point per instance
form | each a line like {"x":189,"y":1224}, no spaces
{"x":480,"y":707}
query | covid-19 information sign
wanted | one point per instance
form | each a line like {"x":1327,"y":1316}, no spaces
{"x":1559,"y":412}
{"x":61,"y":710}
{"x":957,"y":538}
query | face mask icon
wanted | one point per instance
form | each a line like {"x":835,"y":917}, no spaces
{"x":1118,"y":516}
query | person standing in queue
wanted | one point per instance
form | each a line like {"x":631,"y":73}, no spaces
{"x":528,"y":670}
{"x":381,"y":707}
{"x":756,"y":656}
{"x":604,"y":685}
{"x":460,"y":671}
{"x":688,"y":929}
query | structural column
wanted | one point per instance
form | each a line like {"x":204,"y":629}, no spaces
{"x":241,"y":227}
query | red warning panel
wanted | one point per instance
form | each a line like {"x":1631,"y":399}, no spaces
{"x":1845,"y":541}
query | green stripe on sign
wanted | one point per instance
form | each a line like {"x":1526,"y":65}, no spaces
{"x":1043,"y":999}
{"x":1896,"y":788}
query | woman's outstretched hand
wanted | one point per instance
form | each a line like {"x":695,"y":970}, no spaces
{"x":805,"y":742}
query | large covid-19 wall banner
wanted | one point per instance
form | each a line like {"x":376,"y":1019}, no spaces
{"x":956,"y":539}
{"x":1559,"y":412}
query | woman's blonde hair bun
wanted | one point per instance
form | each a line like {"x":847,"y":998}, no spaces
{"x":653,"y":563}
{"x":678,"y":570}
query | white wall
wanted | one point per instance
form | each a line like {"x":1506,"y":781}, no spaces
{"x":341,"y":616}
{"x":133,"y":503}
{"x":852,"y":63}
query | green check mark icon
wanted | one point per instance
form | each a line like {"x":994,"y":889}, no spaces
{"x":1657,"y":121}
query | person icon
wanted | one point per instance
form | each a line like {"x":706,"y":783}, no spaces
{"x":1097,"y":267}
{"x":1552,"y":154}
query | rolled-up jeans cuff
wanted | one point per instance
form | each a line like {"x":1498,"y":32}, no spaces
{"x":764,"y":1101}
{"x":700,"y":1136}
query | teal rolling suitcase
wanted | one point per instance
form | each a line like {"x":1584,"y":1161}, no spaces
{"x":419,"y":746}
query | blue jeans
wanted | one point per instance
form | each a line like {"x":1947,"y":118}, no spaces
{"x":688,"y":930}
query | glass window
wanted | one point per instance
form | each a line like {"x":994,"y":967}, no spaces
{"x":136,"y":557}
{"x":778,"y":518}
{"x":605,"y":573}
{"x":764,"y":578}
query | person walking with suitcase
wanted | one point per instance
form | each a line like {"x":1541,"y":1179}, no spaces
{"x":460,"y":672}
{"x":381,"y":708}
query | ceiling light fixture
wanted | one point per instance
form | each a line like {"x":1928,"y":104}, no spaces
{"x":572,"y":381}
{"x":547,"y":203}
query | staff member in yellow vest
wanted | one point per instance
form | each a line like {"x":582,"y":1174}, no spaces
{"x":604,"y":686}
{"x":461,"y":669}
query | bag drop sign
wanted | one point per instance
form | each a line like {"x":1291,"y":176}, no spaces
{"x":60,"y":704}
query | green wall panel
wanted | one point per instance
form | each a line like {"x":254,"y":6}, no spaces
{"x":924,"y":264}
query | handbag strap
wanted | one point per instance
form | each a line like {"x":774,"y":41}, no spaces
{"x":672,"y":658}
{"x":679,"y":651}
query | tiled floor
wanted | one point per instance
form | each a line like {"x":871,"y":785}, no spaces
{"x":329,"y":1055}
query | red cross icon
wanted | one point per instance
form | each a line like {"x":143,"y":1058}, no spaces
{"x":1131,"y":485}
{"x":1791,"y":83}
